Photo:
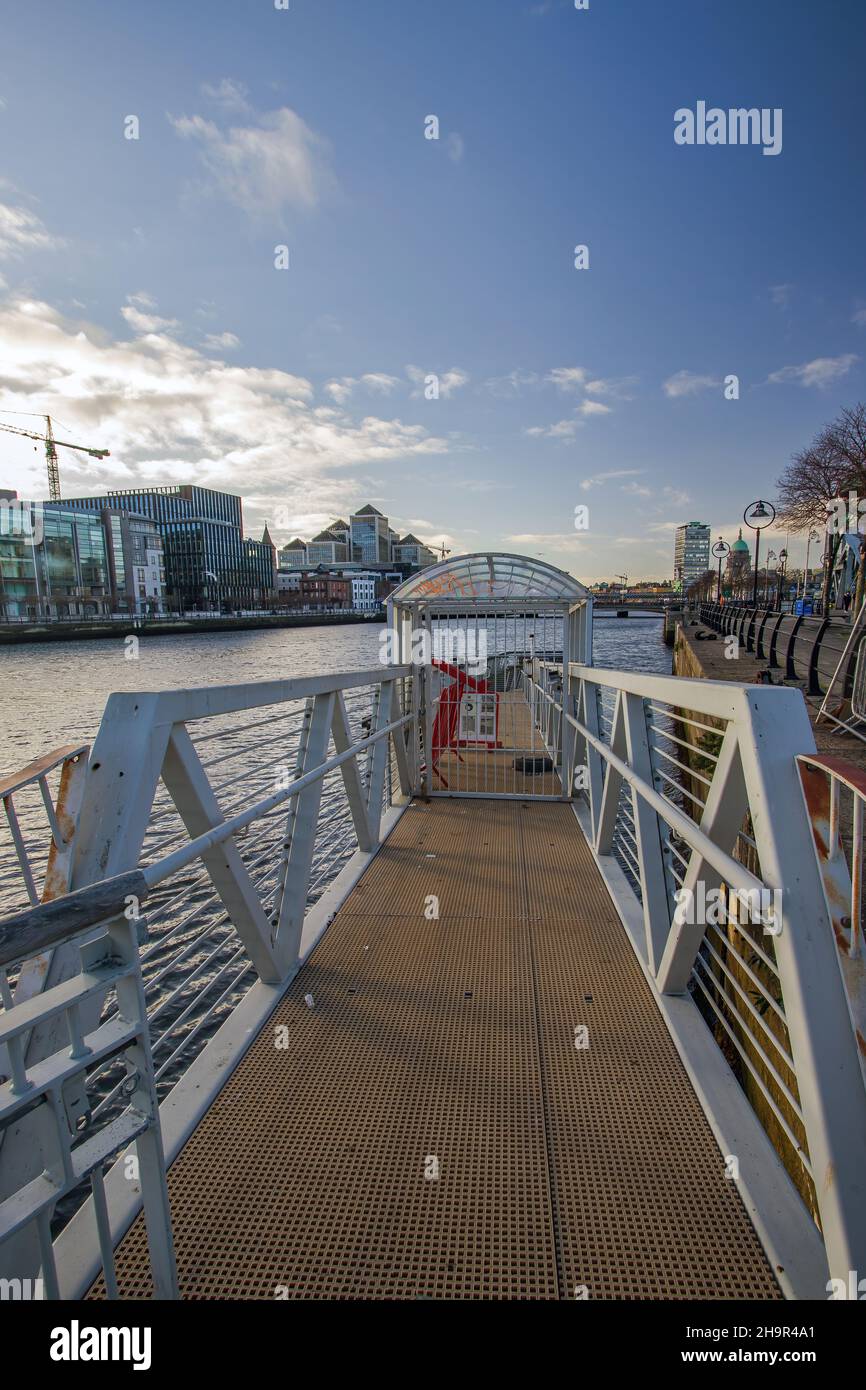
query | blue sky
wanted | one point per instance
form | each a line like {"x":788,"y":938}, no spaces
{"x":140,"y":303}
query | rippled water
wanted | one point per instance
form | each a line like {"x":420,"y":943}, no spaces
{"x":55,"y":693}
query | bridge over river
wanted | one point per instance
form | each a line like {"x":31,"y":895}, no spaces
{"x":524,"y":979}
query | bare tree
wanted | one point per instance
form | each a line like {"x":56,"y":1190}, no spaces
{"x":833,"y":465}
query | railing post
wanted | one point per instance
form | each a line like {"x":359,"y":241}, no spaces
{"x":813,"y":685}
{"x":790,"y":667}
{"x":773,"y":661}
{"x":300,"y":837}
{"x":654,"y":889}
{"x":823,"y":1044}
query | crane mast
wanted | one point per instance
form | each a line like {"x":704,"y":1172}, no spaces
{"x":50,"y":442}
{"x":51,"y":460}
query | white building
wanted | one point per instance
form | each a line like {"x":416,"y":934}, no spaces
{"x":364,"y":590}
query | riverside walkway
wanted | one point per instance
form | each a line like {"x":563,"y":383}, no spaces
{"x":390,"y":983}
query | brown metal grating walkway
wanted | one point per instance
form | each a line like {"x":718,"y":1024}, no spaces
{"x":454,"y":1040}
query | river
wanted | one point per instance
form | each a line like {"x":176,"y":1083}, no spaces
{"x":54,"y":693}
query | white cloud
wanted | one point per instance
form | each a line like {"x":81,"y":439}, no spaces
{"x":859,"y":317}
{"x":821,"y":371}
{"x":263,"y":168}
{"x":170,"y":414}
{"x":455,"y":147}
{"x":567,"y":429}
{"x":781,"y":295}
{"x":562,"y":429}
{"x":511,"y":384}
{"x":616,"y":387}
{"x":600,"y":478}
{"x":688,"y":384}
{"x":637,"y":489}
{"x":449,"y":381}
{"x":554,"y":539}
{"x":379,"y":381}
{"x":227,"y":94}
{"x":341,"y":388}
{"x":21,"y":230}
{"x":141,"y":322}
{"x":568,"y":378}
{"x":221,"y":342}
{"x":676,"y":497}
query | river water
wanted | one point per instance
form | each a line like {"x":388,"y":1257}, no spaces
{"x":54,"y":693}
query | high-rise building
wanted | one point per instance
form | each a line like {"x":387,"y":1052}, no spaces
{"x":369,"y":535}
{"x":206,"y":563}
{"x":76,"y":562}
{"x":691,"y":552}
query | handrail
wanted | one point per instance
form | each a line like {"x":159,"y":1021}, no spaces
{"x":712,"y":807}
{"x":809,"y":651}
{"x":29,"y":933}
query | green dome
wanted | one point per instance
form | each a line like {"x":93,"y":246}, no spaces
{"x":740,"y":546}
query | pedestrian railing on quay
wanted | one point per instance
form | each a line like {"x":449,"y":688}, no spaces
{"x":801,"y":647}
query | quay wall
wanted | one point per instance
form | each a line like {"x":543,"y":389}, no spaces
{"x":14,"y":633}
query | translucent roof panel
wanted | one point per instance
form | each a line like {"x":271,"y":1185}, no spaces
{"x":468,"y":580}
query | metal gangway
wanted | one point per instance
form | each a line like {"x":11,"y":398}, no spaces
{"x":481,"y":973}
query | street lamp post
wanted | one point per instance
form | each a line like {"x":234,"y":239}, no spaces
{"x":768,"y":587}
{"x":762,"y":514}
{"x":783,"y":565}
{"x":720,"y":550}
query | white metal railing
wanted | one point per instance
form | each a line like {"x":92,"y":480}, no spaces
{"x":834,"y":793}
{"x":235,"y":816}
{"x":215,"y":818}
{"x":691,"y":789}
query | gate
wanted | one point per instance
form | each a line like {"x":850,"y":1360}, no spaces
{"x":486,"y":635}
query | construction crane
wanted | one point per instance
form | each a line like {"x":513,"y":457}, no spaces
{"x":443,"y":551}
{"x":51,"y":449}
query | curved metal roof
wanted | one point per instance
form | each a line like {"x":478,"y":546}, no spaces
{"x":466,"y":580}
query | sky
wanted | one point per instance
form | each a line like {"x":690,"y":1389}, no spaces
{"x":145,"y":305}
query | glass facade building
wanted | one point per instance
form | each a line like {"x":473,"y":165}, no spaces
{"x":691,"y":552}
{"x":75,"y":563}
{"x":207,"y":565}
{"x":371,"y":539}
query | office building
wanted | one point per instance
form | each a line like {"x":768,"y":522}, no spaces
{"x":206,"y":563}
{"x":411,"y":551}
{"x":75,"y":562}
{"x":294,"y":555}
{"x":370,"y":537}
{"x":691,"y":552}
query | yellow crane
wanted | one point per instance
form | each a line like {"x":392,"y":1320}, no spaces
{"x":51,"y":443}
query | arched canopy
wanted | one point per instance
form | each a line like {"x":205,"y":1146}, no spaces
{"x":479,"y":581}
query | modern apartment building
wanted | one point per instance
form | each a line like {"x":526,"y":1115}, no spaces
{"x":75,"y":562}
{"x":691,"y":552}
{"x":206,"y":562}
